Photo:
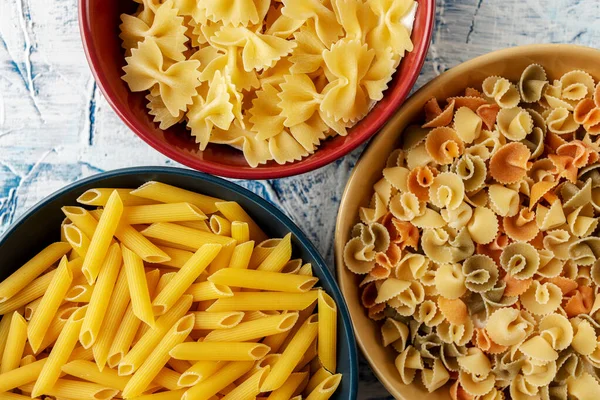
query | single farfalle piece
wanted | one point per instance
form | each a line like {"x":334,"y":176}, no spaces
{"x":521,"y":227}
{"x":265,"y":114}
{"x":541,"y":298}
{"x":459,"y":217}
{"x":552,"y":97}
{"x":556,"y":330}
{"x":356,"y":17}
{"x":391,"y":32}
{"x":358,"y":256}
{"x":166,"y":28}
{"x":509,"y":326}
{"x":450,"y":281}
{"x":483,"y":226}
{"x":488,"y":114}
{"x":447,"y":247}
{"x":177,"y":84}
{"x":520,"y":260}
{"x":510,"y":163}
{"x":255,"y":151}
{"x":577,"y":85}
{"x":480,"y":273}
{"x":259,"y":51}
{"x":228,"y":62}
{"x":235,"y":13}
{"x":473,"y":171}
{"x":585,"y":251}
{"x":514,"y":123}
{"x":447,"y":191}
{"x":215,"y":110}
{"x":436,"y":377}
{"x":561,"y":121}
{"x":411,"y":266}
{"x":504,"y":93}
{"x":156,"y":107}
{"x":326,"y":25}
{"x":408,"y":363}
{"x":307,"y":56}
{"x":532,"y":83}
{"x":419,"y":180}
{"x":394,"y":333}
{"x":504,"y":201}
{"x":467,"y":124}
{"x":406,"y":206}
{"x":444,"y":145}
{"x":299,"y":101}
{"x":582,"y":222}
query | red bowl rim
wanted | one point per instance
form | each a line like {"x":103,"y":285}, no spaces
{"x":270,"y":172}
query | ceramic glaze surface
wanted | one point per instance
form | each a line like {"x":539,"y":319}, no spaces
{"x":55,"y":126}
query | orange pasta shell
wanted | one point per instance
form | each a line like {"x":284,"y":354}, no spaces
{"x":510,"y":163}
{"x":444,"y":145}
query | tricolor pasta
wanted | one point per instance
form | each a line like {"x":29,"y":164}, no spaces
{"x":479,"y":249}
{"x":224,"y":313}
{"x":270,"y":78}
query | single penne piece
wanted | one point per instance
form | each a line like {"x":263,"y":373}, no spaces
{"x":142,"y":349}
{"x":208,"y":291}
{"x":290,"y":386}
{"x":249,"y":301}
{"x":234,"y":212}
{"x":80,"y":291}
{"x":81,"y":353}
{"x":242,"y":253}
{"x":308,"y":356}
{"x":280,"y":255}
{"x":159,"y":357}
{"x":4,"y":328}
{"x":129,"y":325}
{"x":306,"y":270}
{"x":222,"y":259}
{"x":177,"y":257}
{"x":214,"y":320}
{"x":184,"y":278}
{"x":263,"y":280}
{"x":249,"y":388}
{"x":15,"y":343}
{"x":219,"y":351}
{"x":139,"y":244}
{"x":64,"y":346}
{"x":103,"y":236}
{"x":179,"y":366}
{"x":100,"y":197}
{"x":162,"y":282}
{"x":256,"y":329}
{"x":77,"y":239}
{"x":117,"y":305}
{"x":188,"y":237}
{"x":219,"y":225}
{"x":104,"y":287}
{"x":22,"y":375}
{"x":26,"y":360}
{"x":240,"y":231}
{"x":72,"y":389}
{"x":162,"y":243}
{"x":262,"y":251}
{"x":57,"y":325}
{"x":292,"y":267}
{"x":280,"y":343}
{"x":199,"y":372}
{"x":31,"y":307}
{"x":267,"y":361}
{"x":292,"y":355}
{"x":168,"y":379}
{"x":81,"y":218}
{"x":326,"y":388}
{"x":225,"y":376}
{"x":38,"y":325}
{"x":254,"y":315}
{"x":164,"y":193}
{"x":170,"y":395}
{"x":319,"y":376}
{"x":32,"y":269}
{"x":199,"y":225}
{"x":138,"y":286}
{"x":171,"y":212}
{"x":88,"y":371}
{"x":327,"y":331}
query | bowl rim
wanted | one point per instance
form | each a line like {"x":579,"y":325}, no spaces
{"x":275,"y":171}
{"x":419,"y":97}
{"x":271,"y":209}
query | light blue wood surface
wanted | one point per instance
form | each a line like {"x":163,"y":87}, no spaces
{"x":55,"y":127}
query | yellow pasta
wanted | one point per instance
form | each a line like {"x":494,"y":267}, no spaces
{"x":138,"y":286}
{"x":326,"y":388}
{"x":252,"y":301}
{"x":290,"y":386}
{"x":219,"y":380}
{"x":31,"y":270}
{"x":169,"y":395}
{"x":77,"y":239}
{"x":199,"y":372}
{"x":22,"y":375}
{"x":171,"y":212}
{"x":182,"y":235}
{"x":263,"y":280}
{"x":102,"y":237}
{"x":88,"y":371}
{"x":220,"y":226}
{"x":177,"y":257}
{"x":240,"y":231}
{"x":240,"y":258}
{"x":327,"y":343}
{"x":101,"y":196}
{"x":4,"y":329}
{"x":164,"y":193}
{"x":256,"y":329}
{"x":250,"y":387}
{"x":219,"y":351}
{"x":82,"y":219}
{"x":280,"y":255}
{"x":15,"y":343}
{"x":234,"y":212}
{"x":208,"y":291}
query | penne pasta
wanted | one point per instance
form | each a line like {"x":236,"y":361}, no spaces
{"x":170,"y":395}
{"x":80,"y":291}
{"x":65,"y":344}
{"x":171,"y":212}
{"x":319,"y":376}
{"x":168,"y":378}
{"x":292,"y":355}
{"x":4,"y":329}
{"x":234,"y":212}
{"x":100,"y":197}
{"x":82,"y":219}
{"x":32,"y":292}
{"x":138,"y":286}
{"x":198,"y":225}
{"x":242,"y":253}
{"x":309,"y":355}
{"x":306,"y":270}
{"x":164,"y":193}
{"x":216,"y":320}
{"x":159,"y":357}
{"x":256,"y":329}
{"x":162,"y":282}
{"x":208,"y":291}
{"x":184,"y":278}
{"x":326,"y":388}
{"x":219,"y":351}
{"x":249,"y":388}
{"x":103,"y":235}
{"x":289,"y":387}
{"x":15,"y":343}
{"x":280,"y":255}
{"x":179,"y":366}
{"x":220,"y":226}
{"x":254,"y":315}
{"x":77,"y":239}
{"x":218,"y":381}
{"x":21,"y":376}
{"x":249,"y":301}
{"x":57,"y":325}
{"x":263,"y":280}
{"x":57,"y":289}
{"x":327,"y":343}
{"x":177,"y":257}
{"x":283,"y":342}
{"x":89,"y":371}
{"x":31,"y":307}
{"x":72,"y":389}
{"x":137,"y":243}
{"x":240,"y":231}
{"x":262,"y":251}
{"x":292,"y":267}
{"x":32,"y":269}
{"x":222,"y":259}
{"x":199,"y":372}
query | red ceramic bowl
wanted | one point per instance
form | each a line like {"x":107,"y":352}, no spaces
{"x":99,"y":23}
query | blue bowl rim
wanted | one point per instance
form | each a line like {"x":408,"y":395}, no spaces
{"x":264,"y":204}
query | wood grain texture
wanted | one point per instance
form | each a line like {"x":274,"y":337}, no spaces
{"x":55,"y":127}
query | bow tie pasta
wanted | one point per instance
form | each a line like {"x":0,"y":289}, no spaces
{"x":492,"y":205}
{"x":271,"y":78}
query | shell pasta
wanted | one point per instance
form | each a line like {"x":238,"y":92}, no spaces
{"x":224,"y":313}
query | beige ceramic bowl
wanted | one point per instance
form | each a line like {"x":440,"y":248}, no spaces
{"x":509,"y":63}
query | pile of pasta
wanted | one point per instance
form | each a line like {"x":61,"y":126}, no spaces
{"x":161,"y":293}
{"x":480,"y":247}
{"x":272,"y":79}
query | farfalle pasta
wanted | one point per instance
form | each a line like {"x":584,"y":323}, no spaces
{"x":497,"y":191}
{"x":270,"y":78}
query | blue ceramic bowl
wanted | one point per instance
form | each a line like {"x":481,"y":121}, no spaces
{"x":40,"y":226}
